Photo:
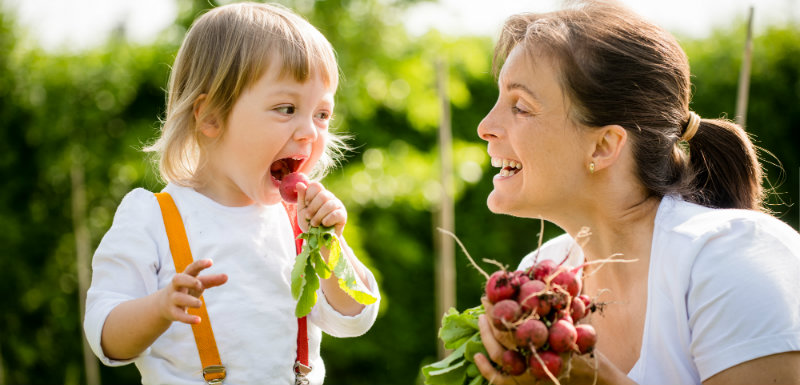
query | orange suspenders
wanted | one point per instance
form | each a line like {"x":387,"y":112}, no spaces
{"x":213,"y":370}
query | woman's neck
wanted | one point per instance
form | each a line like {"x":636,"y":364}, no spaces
{"x":621,"y":224}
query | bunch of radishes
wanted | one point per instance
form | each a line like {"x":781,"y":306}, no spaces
{"x":540,"y":307}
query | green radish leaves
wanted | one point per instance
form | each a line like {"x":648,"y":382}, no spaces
{"x":310,"y":266}
{"x":460,"y":332}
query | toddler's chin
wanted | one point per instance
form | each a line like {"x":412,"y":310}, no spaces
{"x":270,"y":197}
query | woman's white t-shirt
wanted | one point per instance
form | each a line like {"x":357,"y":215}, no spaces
{"x":252,"y":315}
{"x":723,"y":288}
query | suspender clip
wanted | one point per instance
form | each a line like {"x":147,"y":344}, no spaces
{"x":214,"y":374}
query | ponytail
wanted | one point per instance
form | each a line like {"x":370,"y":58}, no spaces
{"x":726,"y":172}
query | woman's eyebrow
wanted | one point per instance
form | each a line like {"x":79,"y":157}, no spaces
{"x":523,"y":88}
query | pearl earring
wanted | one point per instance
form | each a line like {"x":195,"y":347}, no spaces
{"x":591,"y":167}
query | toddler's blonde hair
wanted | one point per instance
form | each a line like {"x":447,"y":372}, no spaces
{"x":224,"y":52}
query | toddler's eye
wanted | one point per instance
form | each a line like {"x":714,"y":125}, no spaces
{"x":324,"y":115}
{"x":286,"y":110}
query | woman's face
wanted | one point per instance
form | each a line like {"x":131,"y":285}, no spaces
{"x":542,"y":155}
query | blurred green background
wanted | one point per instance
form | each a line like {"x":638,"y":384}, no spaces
{"x":67,"y":117}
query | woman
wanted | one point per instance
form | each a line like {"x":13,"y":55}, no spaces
{"x":593,"y":128}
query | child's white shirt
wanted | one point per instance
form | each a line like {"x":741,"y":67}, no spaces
{"x":722,"y":289}
{"x":252,"y":315}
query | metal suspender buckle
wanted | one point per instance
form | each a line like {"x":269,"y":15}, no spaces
{"x":214,"y":374}
{"x":301,"y":371}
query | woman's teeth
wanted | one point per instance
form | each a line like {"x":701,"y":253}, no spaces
{"x":508,"y":167}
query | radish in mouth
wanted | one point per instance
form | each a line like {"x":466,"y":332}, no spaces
{"x":288,"y":187}
{"x":283,"y":167}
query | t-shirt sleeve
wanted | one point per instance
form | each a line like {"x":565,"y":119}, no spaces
{"x":334,"y":323}
{"x":742,"y":299}
{"x":125,"y":264}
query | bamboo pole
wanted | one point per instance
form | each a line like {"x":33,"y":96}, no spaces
{"x":82,"y":250}
{"x":744,"y":74}
{"x":445,"y":266}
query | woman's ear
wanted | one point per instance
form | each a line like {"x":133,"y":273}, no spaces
{"x":206,"y":123}
{"x":609,"y":143}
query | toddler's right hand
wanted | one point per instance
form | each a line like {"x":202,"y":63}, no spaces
{"x":184,"y":292}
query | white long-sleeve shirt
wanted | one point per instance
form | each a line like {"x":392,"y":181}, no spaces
{"x":252,"y":315}
{"x":722,"y":289}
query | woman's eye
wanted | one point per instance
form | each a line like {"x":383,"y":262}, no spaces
{"x":516,"y":110}
{"x":286,"y":110}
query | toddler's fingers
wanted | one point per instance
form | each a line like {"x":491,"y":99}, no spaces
{"x":329,"y":214}
{"x":337,"y":218}
{"x":197,"y":266}
{"x":183,"y":300}
{"x":181,"y":315}
{"x":186,"y":283}
{"x":301,"y":189}
{"x":312,"y":189}
{"x":212,"y":280}
{"x":311,"y":199}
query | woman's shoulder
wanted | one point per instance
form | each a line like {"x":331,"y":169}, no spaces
{"x":697,"y":222}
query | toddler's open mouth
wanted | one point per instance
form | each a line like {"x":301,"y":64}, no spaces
{"x":285,"y":166}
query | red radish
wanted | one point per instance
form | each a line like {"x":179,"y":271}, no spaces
{"x":531,"y":332}
{"x":519,"y":278}
{"x":551,"y":360}
{"x":505,"y":313}
{"x":587,"y":338}
{"x":499,"y":287}
{"x":513,"y":363}
{"x":529,"y":297}
{"x":569,"y":281}
{"x":288,"y":187}
{"x":558,"y":299}
{"x":562,"y":336}
{"x":542,"y":269}
{"x":586,"y":300}
{"x":577,"y":309}
{"x":566,"y":317}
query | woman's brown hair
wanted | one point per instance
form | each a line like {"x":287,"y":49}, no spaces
{"x":617,"y":68}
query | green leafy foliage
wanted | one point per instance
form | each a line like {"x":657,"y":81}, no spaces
{"x":459,"y":332}
{"x":310,"y":267}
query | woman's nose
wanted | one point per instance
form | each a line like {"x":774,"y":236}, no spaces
{"x":488,"y":128}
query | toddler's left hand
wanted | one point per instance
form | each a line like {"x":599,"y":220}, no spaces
{"x":318,"y":206}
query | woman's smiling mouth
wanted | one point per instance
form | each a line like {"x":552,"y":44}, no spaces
{"x":508,"y":167}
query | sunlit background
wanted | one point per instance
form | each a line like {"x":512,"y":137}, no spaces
{"x":82,"y":90}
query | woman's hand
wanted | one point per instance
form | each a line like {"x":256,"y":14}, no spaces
{"x":495,"y":342}
{"x":185,"y":290}
{"x":318,"y":206}
{"x":584,"y":369}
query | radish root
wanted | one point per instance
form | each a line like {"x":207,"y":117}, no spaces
{"x":464,"y":249}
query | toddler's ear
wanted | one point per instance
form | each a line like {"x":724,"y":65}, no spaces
{"x":206,"y":122}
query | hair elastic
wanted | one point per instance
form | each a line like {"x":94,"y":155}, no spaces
{"x":691,"y":126}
